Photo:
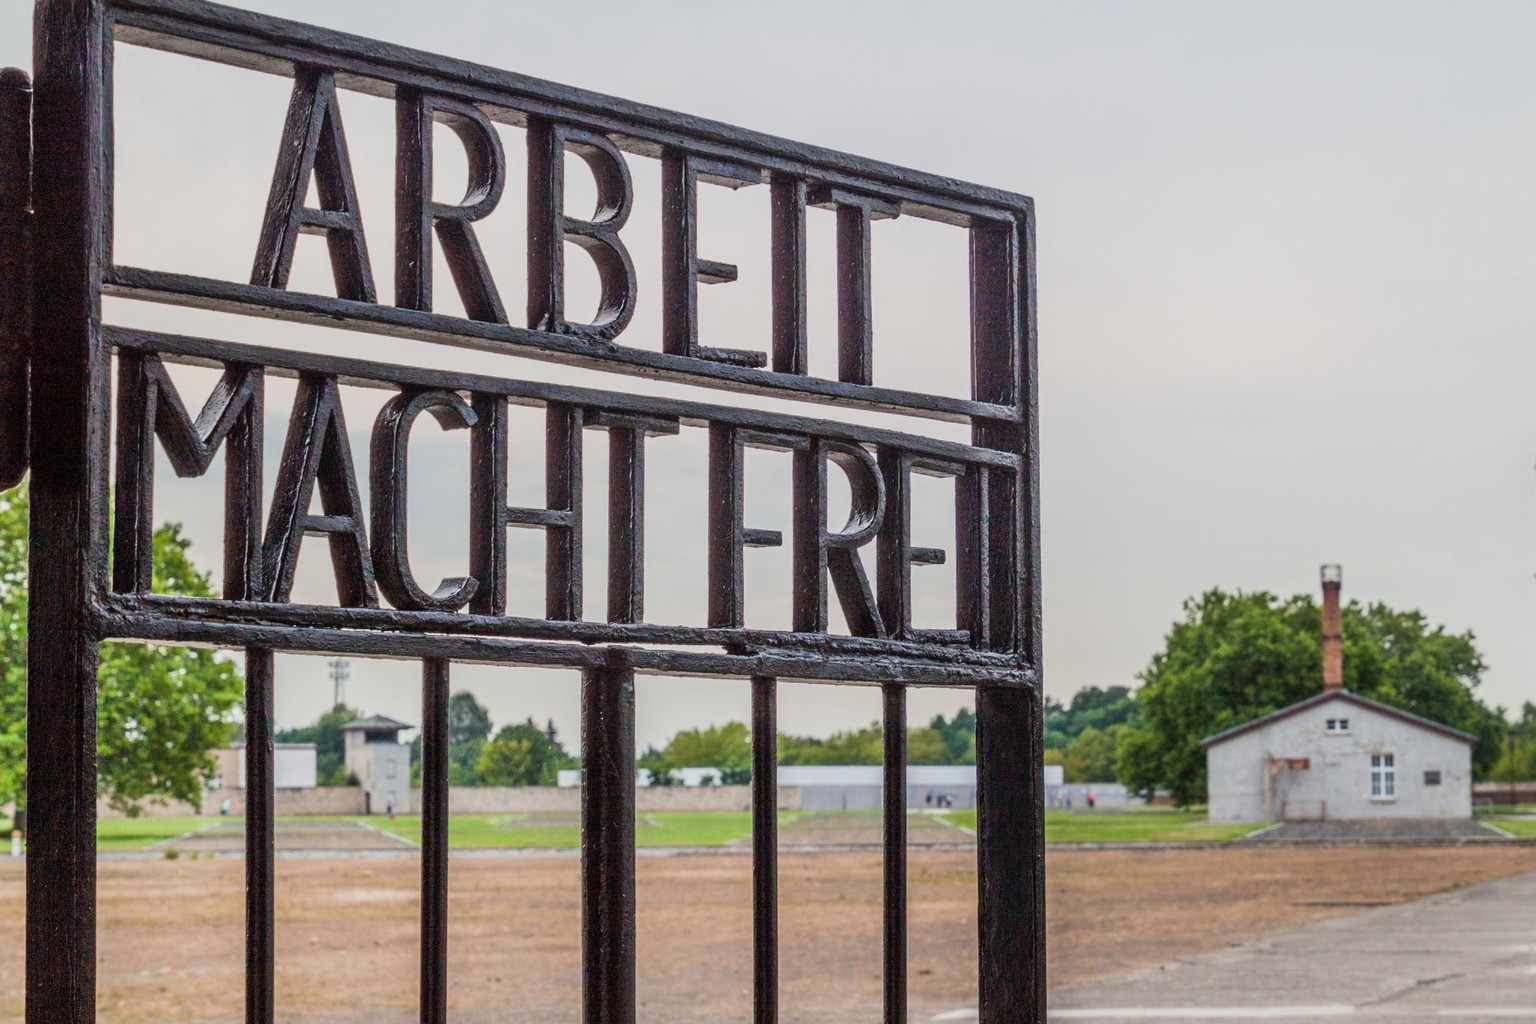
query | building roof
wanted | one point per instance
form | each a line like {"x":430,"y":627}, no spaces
{"x":375,"y":723}
{"x":1348,"y":697}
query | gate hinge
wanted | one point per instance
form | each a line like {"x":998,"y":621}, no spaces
{"x":15,"y":272}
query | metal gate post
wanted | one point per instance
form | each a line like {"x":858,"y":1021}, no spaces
{"x":1010,"y":754}
{"x":68,"y":533}
{"x":1010,"y":857}
{"x":608,"y":843}
{"x":260,"y":834}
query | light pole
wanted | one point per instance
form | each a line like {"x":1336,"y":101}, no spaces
{"x":340,"y":673}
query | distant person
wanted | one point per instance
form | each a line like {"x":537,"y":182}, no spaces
{"x":1089,"y":798}
{"x":389,"y":809}
{"x":928,"y":799}
{"x":224,"y":807}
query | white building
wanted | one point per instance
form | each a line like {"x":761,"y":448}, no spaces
{"x":293,"y":766}
{"x":381,"y":763}
{"x":1339,"y":756}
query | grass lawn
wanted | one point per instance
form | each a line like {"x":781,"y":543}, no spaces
{"x":504,"y":832}
{"x":712,"y":828}
{"x":465,"y":831}
{"x":1143,"y":825}
{"x":137,"y":833}
{"x":1514,"y":826}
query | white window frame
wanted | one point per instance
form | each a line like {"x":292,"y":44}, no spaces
{"x":1383,"y":776}
{"x":1337,"y":727}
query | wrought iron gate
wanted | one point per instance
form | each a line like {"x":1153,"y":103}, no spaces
{"x":85,"y":590}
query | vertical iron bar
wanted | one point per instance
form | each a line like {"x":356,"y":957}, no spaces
{"x":563,"y":490}
{"x":765,"y":850}
{"x":67,"y":557}
{"x":15,"y":269}
{"x":855,"y":332}
{"x":1010,"y":807}
{"x":1010,"y":856}
{"x":789,"y":316}
{"x":626,"y":525}
{"x":259,"y":837}
{"x":608,"y":843}
{"x":488,"y":504}
{"x":894,"y":792}
{"x":434,"y":841}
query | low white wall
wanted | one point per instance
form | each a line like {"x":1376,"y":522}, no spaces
{"x":321,"y":801}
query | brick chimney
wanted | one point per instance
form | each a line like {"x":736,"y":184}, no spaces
{"x":1333,"y":630}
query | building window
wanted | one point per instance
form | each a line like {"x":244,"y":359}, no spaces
{"x":1338,"y":725}
{"x":1432,"y":778}
{"x":1383,"y":777}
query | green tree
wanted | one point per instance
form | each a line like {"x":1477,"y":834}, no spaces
{"x":330,"y":743}
{"x":160,"y":709}
{"x":1433,"y":674}
{"x":1091,"y":756}
{"x":1091,"y":708}
{"x":727,"y":747}
{"x":959,"y":735}
{"x":655,"y":762}
{"x":1235,"y":657}
{"x":469,"y":727}
{"x":942,"y":741}
{"x":853,"y":746}
{"x":925,"y":745}
{"x":1517,"y":761}
{"x":523,"y":755}
{"x":468,"y":719}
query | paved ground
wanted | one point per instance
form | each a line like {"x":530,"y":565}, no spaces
{"x":1374,"y":830}
{"x":1466,"y":955}
{"x":325,"y":836}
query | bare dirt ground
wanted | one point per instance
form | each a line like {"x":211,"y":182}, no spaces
{"x":171,"y":931}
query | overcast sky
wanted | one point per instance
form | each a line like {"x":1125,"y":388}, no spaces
{"x":1285,"y":264}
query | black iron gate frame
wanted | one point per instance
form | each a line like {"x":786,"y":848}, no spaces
{"x":56,"y":264}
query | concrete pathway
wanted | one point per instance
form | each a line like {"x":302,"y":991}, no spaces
{"x":1462,"y":956}
{"x":228,"y":836}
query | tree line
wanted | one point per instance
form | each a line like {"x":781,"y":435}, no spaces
{"x":728,"y":748}
{"x":1232,"y":657}
{"x":523,"y":754}
{"x":526,"y":754}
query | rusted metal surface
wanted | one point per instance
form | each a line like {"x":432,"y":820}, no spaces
{"x":84,"y":594}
